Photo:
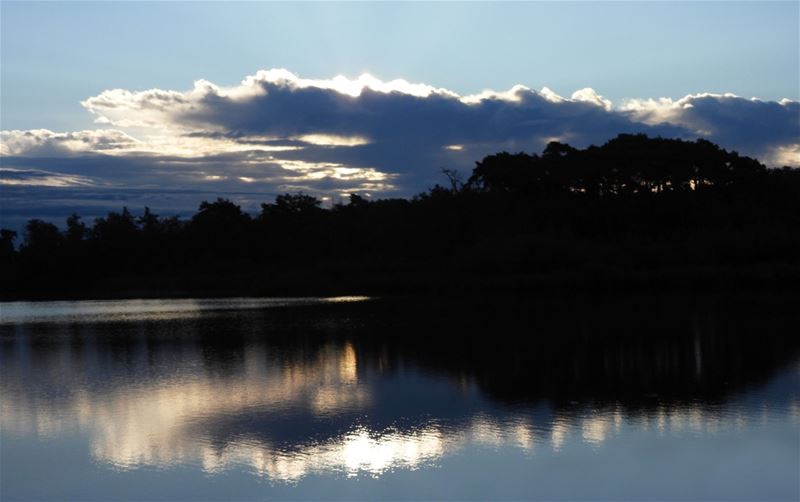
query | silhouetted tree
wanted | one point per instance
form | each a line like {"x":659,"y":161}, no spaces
{"x":356,"y":200}
{"x":116,"y":228}
{"x":76,"y":229}
{"x":41,"y":237}
{"x":288,"y":204}
{"x":7,"y":246}
{"x":635,"y":210}
{"x":148,"y":221}
{"x":220,"y":229}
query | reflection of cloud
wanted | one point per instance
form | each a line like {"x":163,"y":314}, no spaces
{"x":168,"y":421}
{"x":558,"y":434}
{"x":595,"y":428}
{"x":154,"y":424}
{"x":282,"y":415}
{"x":355,"y":452}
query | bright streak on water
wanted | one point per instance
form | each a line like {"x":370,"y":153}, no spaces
{"x":146,"y":309}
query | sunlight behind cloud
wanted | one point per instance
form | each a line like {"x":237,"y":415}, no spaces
{"x":340,"y":84}
{"x":319,"y":170}
{"x":332,"y":140}
{"x":589,"y":95}
{"x":788,"y":155}
{"x":512,"y":95}
{"x":656,"y":111}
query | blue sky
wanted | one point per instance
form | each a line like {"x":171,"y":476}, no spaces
{"x":57,"y":54}
{"x":105,"y":104}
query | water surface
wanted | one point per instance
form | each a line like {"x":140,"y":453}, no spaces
{"x":643,"y":398}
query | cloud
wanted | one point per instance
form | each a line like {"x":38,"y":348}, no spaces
{"x":765,"y":129}
{"x":787,"y":155}
{"x":45,"y":143}
{"x":398,"y":115}
{"x":277,"y":132}
{"x":39,"y":178}
{"x":588,"y":95}
{"x":279,"y":104}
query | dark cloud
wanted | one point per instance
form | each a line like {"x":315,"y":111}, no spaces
{"x":751,"y":126}
{"x":277,"y":132}
{"x":407,"y":133}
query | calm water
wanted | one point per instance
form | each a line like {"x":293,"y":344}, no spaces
{"x":639,"y":398}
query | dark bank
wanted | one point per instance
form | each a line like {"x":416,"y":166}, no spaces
{"x":635,"y":214}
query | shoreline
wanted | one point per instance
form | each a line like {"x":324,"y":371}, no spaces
{"x":709,"y":280}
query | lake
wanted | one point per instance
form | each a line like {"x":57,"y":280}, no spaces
{"x":638,"y":397}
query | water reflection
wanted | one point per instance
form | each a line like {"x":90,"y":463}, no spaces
{"x":288,"y":393}
{"x":146,"y":309}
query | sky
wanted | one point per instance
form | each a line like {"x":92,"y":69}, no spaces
{"x":166,"y":104}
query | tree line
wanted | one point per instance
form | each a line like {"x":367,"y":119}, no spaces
{"x":635,"y":210}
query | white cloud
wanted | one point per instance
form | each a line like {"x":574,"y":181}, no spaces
{"x":152,"y":108}
{"x":340,"y":84}
{"x":657,"y":111}
{"x":589,"y":95}
{"x":43,"y":142}
{"x":513,"y":95}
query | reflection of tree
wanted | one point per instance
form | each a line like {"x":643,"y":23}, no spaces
{"x":305,"y":396}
